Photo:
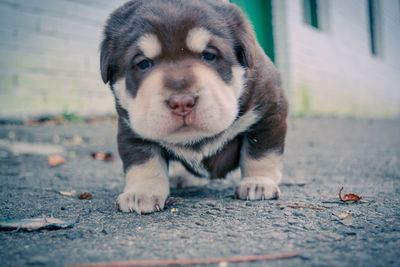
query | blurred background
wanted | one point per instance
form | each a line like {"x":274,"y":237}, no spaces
{"x":336,"y":57}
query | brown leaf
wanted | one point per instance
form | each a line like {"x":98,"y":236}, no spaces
{"x":85,"y":195}
{"x":56,"y":160}
{"x":52,"y":120}
{"x":103,"y":156}
{"x":348,"y":197}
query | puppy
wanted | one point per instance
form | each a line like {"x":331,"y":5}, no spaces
{"x":191,"y":84}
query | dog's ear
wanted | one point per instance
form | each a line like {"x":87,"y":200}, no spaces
{"x":245,"y":40}
{"x":114,"y":28}
{"x":105,"y":60}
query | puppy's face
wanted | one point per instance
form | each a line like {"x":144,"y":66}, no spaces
{"x":176,"y":71}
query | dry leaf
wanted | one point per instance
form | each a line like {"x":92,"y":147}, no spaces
{"x":70,"y":193}
{"x":348,"y":197}
{"x":56,"y":160}
{"x":345,"y":216}
{"x":77,"y":140}
{"x":174,"y":210}
{"x":32,"y":224}
{"x":85,"y":195}
{"x":103,"y":156}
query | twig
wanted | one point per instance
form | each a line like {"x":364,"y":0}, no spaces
{"x":302,"y":207}
{"x":292,"y":184}
{"x":172,"y":201}
{"x":187,"y":262}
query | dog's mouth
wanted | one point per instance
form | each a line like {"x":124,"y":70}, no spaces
{"x":185,"y":124}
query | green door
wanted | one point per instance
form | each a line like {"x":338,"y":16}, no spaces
{"x":260,"y":14}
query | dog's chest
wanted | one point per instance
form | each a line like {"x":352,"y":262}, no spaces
{"x":192,"y":158}
{"x":216,"y":165}
{"x":224,"y":149}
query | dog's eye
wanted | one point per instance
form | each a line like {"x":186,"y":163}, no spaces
{"x":144,"y":64}
{"x":208,"y":56}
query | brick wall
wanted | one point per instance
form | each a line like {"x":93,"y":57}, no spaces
{"x":49,"y":58}
{"x":332,"y":70}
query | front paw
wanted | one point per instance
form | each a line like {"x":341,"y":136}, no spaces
{"x":141,"y":202}
{"x":257,"y":188}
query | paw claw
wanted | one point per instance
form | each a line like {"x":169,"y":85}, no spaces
{"x":157,"y":207}
{"x":141,"y":203}
{"x":257,"y":188}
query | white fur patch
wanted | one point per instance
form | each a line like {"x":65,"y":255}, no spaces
{"x":146,"y":187}
{"x":150,"y":45}
{"x":269,"y":166}
{"x":120,"y":94}
{"x":198,"y":39}
{"x":147,"y":111}
{"x":237,"y":82}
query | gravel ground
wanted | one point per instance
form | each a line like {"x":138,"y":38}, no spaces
{"x":322,"y":154}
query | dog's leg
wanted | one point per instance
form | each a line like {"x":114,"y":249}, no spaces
{"x":261,"y":158}
{"x":146,"y":188}
{"x":260,"y":176}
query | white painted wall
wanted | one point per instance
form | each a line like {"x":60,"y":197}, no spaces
{"x":332,"y":70}
{"x":49,"y":57}
{"x":49,"y":60}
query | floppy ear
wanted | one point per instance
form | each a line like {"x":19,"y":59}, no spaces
{"x":105,"y":60}
{"x":245,"y":40}
{"x":114,"y":28}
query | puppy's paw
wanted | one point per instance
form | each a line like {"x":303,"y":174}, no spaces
{"x":257,"y":188}
{"x":141,"y":202}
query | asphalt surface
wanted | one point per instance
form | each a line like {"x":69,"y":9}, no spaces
{"x":322,"y":154}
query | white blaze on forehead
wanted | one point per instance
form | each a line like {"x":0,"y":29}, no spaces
{"x":150,"y":45}
{"x":198,"y":39}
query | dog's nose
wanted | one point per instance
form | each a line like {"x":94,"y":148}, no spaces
{"x":182,"y":105}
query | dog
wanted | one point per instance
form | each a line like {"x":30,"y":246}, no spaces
{"x":192,"y":85}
